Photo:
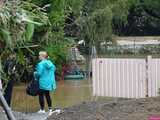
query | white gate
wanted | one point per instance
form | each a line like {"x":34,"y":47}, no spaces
{"x":153,"y":77}
{"x":129,"y":78}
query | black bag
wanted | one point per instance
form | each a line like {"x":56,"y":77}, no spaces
{"x":33,"y":88}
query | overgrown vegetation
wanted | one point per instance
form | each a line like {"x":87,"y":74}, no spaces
{"x":18,"y":20}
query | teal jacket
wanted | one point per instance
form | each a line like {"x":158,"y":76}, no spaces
{"x":45,"y":74}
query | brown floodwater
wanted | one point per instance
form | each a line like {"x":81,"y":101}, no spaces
{"x":68,"y":93}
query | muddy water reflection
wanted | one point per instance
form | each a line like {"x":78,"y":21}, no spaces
{"x":67,"y":94}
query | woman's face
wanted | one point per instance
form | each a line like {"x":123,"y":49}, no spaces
{"x":41,"y":57}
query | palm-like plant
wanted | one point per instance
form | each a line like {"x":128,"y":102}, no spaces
{"x":18,"y":20}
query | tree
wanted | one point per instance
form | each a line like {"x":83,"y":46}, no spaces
{"x":143,"y":19}
{"x":100,"y":17}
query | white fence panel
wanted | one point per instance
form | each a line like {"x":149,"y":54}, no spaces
{"x":153,"y":77}
{"x":119,"y":77}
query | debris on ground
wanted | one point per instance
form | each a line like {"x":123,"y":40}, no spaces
{"x":25,"y":116}
{"x":28,"y":116}
{"x":118,"y":109}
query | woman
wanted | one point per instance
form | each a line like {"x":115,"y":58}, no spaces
{"x":45,"y":74}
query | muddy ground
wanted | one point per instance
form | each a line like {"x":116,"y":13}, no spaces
{"x":115,"y":109}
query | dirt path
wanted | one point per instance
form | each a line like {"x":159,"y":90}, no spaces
{"x":118,"y":109}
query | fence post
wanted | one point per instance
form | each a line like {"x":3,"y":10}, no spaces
{"x":148,"y":59}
